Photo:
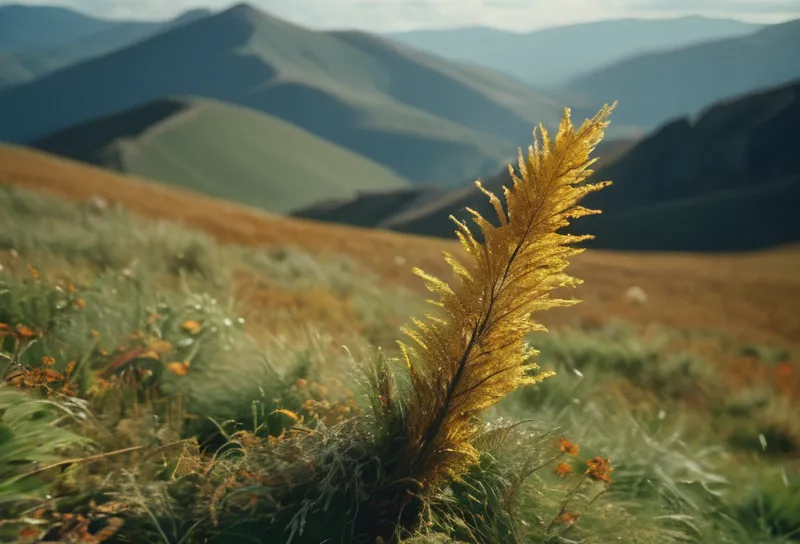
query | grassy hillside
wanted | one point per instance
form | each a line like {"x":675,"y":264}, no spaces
{"x":655,"y":87}
{"x":38,"y":59}
{"x":753,"y":296}
{"x":225,"y":151}
{"x":24,"y":27}
{"x":553,"y":56}
{"x":725,"y":181}
{"x":168,"y":327}
{"x":425,"y":118}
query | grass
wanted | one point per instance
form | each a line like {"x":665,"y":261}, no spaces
{"x":753,"y":296}
{"x":150,"y":451}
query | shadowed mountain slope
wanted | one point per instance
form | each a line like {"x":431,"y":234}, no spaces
{"x":728,"y":181}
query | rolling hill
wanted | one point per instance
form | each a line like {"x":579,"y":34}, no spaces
{"x":225,"y":151}
{"x":657,"y":87}
{"x":752,"y":296}
{"x":425,"y":118}
{"x":553,"y":56}
{"x":728,"y":181}
{"x":35,"y":60}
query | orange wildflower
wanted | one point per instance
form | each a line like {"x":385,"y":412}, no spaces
{"x":785,"y":370}
{"x":95,"y":333}
{"x":33,"y":272}
{"x":48,"y":361}
{"x":25,"y":332}
{"x":600,"y":469}
{"x":568,"y":447}
{"x":562,"y":470}
{"x":191,"y":326}
{"x":567,"y":518}
{"x":70,"y":368}
{"x":70,"y":287}
{"x":179,"y":368}
{"x":80,"y":304}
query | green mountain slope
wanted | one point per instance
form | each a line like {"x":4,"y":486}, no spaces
{"x":32,"y":62}
{"x":552,"y":56}
{"x":728,"y":181}
{"x":660,"y":86}
{"x":223,"y":151}
{"x":423,"y":117}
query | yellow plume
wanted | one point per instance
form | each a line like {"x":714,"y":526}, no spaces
{"x":476,"y":355}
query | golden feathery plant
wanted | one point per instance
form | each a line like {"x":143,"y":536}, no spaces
{"x":475,"y":355}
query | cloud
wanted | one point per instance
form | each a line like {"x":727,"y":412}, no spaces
{"x":387,"y":15}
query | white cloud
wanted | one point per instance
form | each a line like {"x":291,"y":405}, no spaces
{"x":385,"y":15}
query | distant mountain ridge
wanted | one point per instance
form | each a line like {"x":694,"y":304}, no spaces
{"x":426,"y":119}
{"x":23,"y":27}
{"x":97,"y":37}
{"x":655,"y":87}
{"x":553,"y":56}
{"x":727,"y":181}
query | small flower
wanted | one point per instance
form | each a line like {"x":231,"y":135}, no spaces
{"x":25,"y":332}
{"x":562,"y":470}
{"x":191,"y":326}
{"x":48,"y":361}
{"x":568,"y":447}
{"x":70,"y":287}
{"x":600,"y":469}
{"x":33,"y":272}
{"x":288,"y":413}
{"x":179,"y":368}
{"x":70,"y":367}
{"x":567,"y":518}
{"x":150,"y":354}
{"x":80,"y":304}
{"x":301,"y":383}
{"x":95,"y":334}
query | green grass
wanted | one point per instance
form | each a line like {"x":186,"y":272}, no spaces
{"x":207,"y":463}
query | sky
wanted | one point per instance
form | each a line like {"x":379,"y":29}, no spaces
{"x":394,"y":15}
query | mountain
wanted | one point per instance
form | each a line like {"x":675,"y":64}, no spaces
{"x":727,"y":181}
{"x":553,"y":56}
{"x":427,"y":210}
{"x":656,"y":87}
{"x":25,"y":27}
{"x":223,"y":151}
{"x":27,"y":64}
{"x":425,"y":118}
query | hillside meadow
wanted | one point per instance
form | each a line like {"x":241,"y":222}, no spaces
{"x":208,"y":362}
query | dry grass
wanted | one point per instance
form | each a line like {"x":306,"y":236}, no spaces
{"x":753,"y":296}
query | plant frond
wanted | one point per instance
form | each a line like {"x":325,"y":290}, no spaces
{"x":468,"y":361}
